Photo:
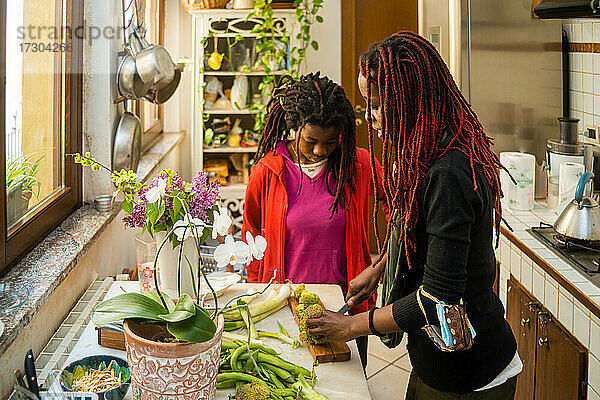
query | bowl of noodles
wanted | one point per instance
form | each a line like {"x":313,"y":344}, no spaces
{"x":107,"y":376}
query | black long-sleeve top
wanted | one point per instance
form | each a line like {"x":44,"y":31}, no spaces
{"x":454,"y":260}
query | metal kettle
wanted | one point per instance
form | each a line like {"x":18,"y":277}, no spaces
{"x":581,"y":218}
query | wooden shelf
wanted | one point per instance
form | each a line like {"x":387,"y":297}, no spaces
{"x":229,"y":112}
{"x":228,"y":73}
{"x":227,"y":149}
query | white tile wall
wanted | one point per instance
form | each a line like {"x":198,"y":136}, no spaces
{"x":515,"y":264}
{"x":565,"y":311}
{"x":581,"y":325}
{"x":595,"y":338}
{"x":551,"y":296}
{"x":594,"y":373}
{"x":538,"y":283}
{"x":527,"y":273}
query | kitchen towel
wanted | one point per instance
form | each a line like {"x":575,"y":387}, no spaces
{"x":567,"y":181}
{"x":522,"y":168}
{"x":505,"y":181}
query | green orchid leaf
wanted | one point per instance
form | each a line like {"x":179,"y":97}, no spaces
{"x":197,"y":329}
{"x":184,"y":309}
{"x":154,"y":296}
{"x":127,"y":305}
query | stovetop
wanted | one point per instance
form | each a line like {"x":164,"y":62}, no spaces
{"x":581,"y":255}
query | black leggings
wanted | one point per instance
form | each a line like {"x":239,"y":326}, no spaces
{"x":417,"y":390}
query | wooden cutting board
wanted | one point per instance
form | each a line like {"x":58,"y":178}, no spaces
{"x":323,"y":353}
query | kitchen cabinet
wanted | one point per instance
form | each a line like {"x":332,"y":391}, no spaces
{"x":554,"y":362}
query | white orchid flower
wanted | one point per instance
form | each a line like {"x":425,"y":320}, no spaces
{"x":257,"y":246}
{"x":155,"y":193}
{"x":188,"y":226}
{"x":222,"y":223}
{"x":231,"y":252}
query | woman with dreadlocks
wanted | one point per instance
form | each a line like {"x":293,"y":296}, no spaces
{"x":309,"y":196}
{"x":441,"y":185}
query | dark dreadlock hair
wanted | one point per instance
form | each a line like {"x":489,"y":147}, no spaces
{"x":317,"y":101}
{"x":418,"y":98}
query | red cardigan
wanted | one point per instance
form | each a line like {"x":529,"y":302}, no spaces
{"x":265,"y":213}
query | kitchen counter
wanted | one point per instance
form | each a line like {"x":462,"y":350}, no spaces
{"x":569,"y":295}
{"x":337,"y":381}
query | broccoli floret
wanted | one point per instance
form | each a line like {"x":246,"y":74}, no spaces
{"x":299,"y":310}
{"x":308,"y":298}
{"x":307,"y":312}
{"x":301,"y":287}
{"x":252,"y":391}
{"x":306,"y":391}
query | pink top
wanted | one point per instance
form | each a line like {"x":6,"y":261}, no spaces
{"x":315,"y":246}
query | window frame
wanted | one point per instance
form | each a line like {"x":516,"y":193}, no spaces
{"x":27,"y":233}
{"x":151,"y":133}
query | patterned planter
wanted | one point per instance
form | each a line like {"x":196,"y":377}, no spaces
{"x":171,"y":371}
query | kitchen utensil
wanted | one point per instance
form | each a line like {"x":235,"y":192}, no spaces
{"x":154,"y":63}
{"x":25,"y":392}
{"x":581,"y":218}
{"x":566,"y":148}
{"x":243,"y":4}
{"x":128,"y":143}
{"x":31,"y":375}
{"x":161,"y":96}
{"x":326,"y":352}
{"x":129,"y":83}
{"x":344,"y":309}
{"x":215,"y":59}
{"x":103,"y":202}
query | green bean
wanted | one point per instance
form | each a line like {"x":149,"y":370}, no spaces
{"x":239,"y":376}
{"x":281,"y":363}
{"x":234,"y":358}
{"x":226,"y":384}
{"x":280,"y":372}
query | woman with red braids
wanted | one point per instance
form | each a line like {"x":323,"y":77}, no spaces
{"x":441,"y":185}
{"x":309,"y":196}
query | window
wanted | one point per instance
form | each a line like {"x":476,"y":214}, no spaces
{"x":41,"y":60}
{"x":152,"y":13}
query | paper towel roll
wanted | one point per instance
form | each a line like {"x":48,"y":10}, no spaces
{"x":505,"y":181}
{"x":522,"y":168}
{"x":567,"y":181}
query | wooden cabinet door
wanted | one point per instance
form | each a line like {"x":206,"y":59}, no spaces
{"x":521,"y":309}
{"x":561,"y":362}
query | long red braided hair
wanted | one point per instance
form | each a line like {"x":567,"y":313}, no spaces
{"x":418,"y":99}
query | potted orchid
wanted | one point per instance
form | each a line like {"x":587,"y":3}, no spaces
{"x":171,"y":329}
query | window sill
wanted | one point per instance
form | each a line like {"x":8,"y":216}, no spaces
{"x":50,"y":262}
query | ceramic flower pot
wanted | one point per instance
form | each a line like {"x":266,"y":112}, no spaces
{"x":171,"y":371}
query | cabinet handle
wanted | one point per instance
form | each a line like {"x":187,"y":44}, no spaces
{"x":359,"y":122}
{"x":359,"y":109}
{"x":543,"y":342}
{"x":525,"y":322}
{"x":534,"y":305}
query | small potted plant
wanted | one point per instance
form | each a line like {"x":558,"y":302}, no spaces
{"x":21,"y":184}
{"x":173,"y":343}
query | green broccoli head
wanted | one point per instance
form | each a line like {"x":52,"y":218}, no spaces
{"x":307,"y":312}
{"x":308,"y":298}
{"x":301,"y":287}
{"x":252,"y":391}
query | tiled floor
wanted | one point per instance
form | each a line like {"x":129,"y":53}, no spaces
{"x":387,"y":370}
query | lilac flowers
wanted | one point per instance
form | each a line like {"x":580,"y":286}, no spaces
{"x":168,"y":198}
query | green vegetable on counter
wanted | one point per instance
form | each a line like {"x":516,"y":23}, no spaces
{"x":303,"y":313}
{"x":306,"y":391}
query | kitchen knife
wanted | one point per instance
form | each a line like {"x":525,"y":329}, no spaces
{"x":345,"y":308}
{"x":31,"y":374}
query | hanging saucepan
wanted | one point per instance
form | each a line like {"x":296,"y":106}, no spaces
{"x":154,"y":64}
{"x":127,"y":147}
{"x":161,"y":96}
{"x":581,"y":218}
{"x":129,"y":83}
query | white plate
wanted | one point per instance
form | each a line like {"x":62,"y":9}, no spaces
{"x":220,"y":281}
